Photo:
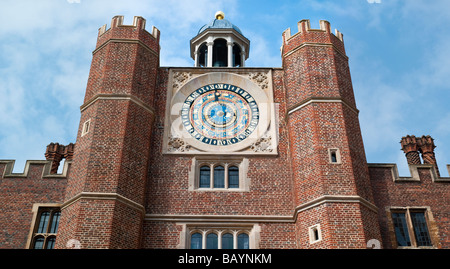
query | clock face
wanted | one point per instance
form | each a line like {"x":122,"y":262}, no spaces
{"x":220,"y":114}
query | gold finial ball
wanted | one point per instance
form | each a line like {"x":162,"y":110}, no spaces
{"x":220,"y":15}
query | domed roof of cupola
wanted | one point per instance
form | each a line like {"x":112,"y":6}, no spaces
{"x":220,"y":23}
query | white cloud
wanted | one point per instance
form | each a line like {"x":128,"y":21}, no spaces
{"x":374,"y":1}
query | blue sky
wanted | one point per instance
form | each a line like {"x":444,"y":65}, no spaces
{"x":399,"y":55}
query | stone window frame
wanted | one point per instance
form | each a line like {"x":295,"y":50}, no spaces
{"x":213,"y":161}
{"x":431,"y":226}
{"x":315,"y":234}
{"x":86,"y":127}
{"x":336,"y":153}
{"x":205,"y":229}
{"x":37,"y":210}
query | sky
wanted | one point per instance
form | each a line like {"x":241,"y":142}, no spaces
{"x":399,"y":57}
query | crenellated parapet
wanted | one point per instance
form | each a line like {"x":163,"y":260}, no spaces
{"x":120,"y":32}
{"x":307,"y":36}
{"x":124,"y":63}
{"x":54,"y":154}
{"x":420,"y":156}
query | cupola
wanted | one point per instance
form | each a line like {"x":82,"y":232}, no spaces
{"x":220,"y":44}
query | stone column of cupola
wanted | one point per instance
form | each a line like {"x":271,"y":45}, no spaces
{"x":210,"y":45}
{"x":196,"y":56}
{"x":230,"y":53}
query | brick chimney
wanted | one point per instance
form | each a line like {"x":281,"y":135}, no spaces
{"x":411,"y":149}
{"x":56,"y":152}
{"x":426,"y":148}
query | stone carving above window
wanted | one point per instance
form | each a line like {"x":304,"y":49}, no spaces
{"x":180,"y":78}
{"x":260,"y":79}
{"x":263,"y":144}
{"x":177,"y":144}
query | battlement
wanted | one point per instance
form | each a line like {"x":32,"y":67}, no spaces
{"x":414,"y":169}
{"x":416,"y":149}
{"x":54,"y":154}
{"x":33,"y":169}
{"x":128,"y":33}
{"x":307,"y":35}
{"x":304,"y":26}
{"x":138,"y":23}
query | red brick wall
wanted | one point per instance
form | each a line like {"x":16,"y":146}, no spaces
{"x":316,"y":68}
{"x":167,"y":189}
{"x":112,"y":158}
{"x":423,"y":193}
{"x":17,"y":196}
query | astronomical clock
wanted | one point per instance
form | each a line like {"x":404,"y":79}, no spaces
{"x":220,"y":113}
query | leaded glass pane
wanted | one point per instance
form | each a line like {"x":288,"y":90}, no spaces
{"x":219,"y":177}
{"x":233,"y":177}
{"x":50,"y":242}
{"x":196,"y":241}
{"x":38,"y":242}
{"x":55,"y":222}
{"x":401,"y":229}
{"x":243,"y":242}
{"x":205,"y":177}
{"x":43,"y":222}
{"x":227,"y":241}
{"x":211,"y":241}
{"x":420,"y":229}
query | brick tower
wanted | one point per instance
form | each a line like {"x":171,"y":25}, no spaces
{"x":104,"y":199}
{"x":332,"y":192}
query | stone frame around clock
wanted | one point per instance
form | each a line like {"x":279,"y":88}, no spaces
{"x":175,"y":130}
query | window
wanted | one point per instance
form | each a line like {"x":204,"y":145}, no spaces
{"x":220,"y":239}
{"x":227,"y":241}
{"x":220,"y":53}
{"x":314,"y":234}
{"x":224,"y":176}
{"x":196,"y":241}
{"x":334,"y":156}
{"x":46,"y":228}
{"x":219,"y":173}
{"x":211,"y":241}
{"x":86,"y":127}
{"x":205,"y":177}
{"x":219,"y":177}
{"x":410,"y":228}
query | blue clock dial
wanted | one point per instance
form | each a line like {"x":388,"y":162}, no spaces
{"x":220,"y":114}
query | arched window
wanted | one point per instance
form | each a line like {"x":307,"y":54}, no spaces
{"x":46,"y":228}
{"x":233,"y":177}
{"x":43,"y":222}
{"x":219,"y":177}
{"x":220,"y":53}
{"x":211,"y":241}
{"x":237,"y":55}
{"x":205,"y":177}
{"x":203,"y":55}
{"x":219,"y":238}
{"x":54,"y":223}
{"x":243,"y":242}
{"x":38,"y":242}
{"x":50,"y":242}
{"x":227,"y":241}
{"x":196,"y":241}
